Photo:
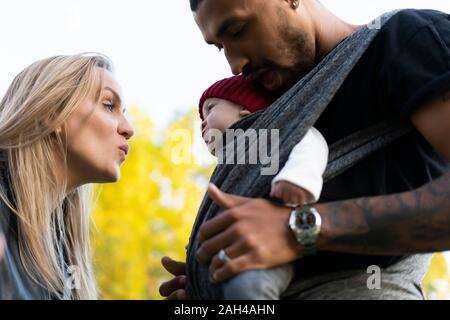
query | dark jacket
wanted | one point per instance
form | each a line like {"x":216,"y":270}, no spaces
{"x":15,"y":284}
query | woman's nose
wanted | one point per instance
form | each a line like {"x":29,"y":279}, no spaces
{"x":125,"y":129}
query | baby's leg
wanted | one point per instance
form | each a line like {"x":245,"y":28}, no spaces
{"x":267,"y":284}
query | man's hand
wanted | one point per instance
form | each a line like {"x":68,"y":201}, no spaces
{"x":253,"y":232}
{"x":174,"y":289}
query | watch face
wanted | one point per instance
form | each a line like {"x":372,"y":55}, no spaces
{"x":306,"y":220}
{"x":300,"y":225}
{"x":305,"y":223}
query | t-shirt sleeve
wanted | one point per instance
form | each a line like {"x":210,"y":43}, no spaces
{"x":306,"y":164}
{"x":418,"y":67}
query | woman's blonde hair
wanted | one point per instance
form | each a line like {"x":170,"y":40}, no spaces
{"x":53,"y":225}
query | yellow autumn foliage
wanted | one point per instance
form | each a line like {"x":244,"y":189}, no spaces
{"x":436,"y":284}
{"x":147,"y":214}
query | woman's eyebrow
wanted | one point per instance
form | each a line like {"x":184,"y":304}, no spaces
{"x":116,"y":95}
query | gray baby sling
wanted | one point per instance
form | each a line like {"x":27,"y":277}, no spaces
{"x":293,"y":114}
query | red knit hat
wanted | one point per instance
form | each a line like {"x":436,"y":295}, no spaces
{"x":237,"y":90}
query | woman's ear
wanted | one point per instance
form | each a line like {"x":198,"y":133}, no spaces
{"x":244,"y":113}
{"x":59,"y":133}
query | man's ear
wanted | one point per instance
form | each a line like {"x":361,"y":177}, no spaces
{"x":293,"y":3}
{"x":244,"y":113}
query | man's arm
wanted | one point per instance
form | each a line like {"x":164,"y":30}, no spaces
{"x":410,"y":222}
{"x":416,"y":221}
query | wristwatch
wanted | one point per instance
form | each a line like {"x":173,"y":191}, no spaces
{"x":305,"y":223}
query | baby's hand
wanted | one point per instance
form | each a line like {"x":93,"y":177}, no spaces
{"x":291,"y":194}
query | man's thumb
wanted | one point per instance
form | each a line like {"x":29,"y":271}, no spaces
{"x":225,"y":200}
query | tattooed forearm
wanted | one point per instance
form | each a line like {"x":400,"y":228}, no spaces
{"x":410,"y":222}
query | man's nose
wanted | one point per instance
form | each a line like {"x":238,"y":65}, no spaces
{"x":236,"y":61}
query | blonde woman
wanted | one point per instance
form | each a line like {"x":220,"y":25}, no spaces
{"x":62,"y":127}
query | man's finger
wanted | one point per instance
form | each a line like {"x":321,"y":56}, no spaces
{"x":225,"y":200}
{"x":214,"y":226}
{"x":169,"y":287}
{"x":232,"y":268}
{"x":210,"y":247}
{"x":232,"y":252}
{"x":178,"y":295}
{"x":176,"y":268}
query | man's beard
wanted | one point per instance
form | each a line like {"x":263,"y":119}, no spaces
{"x":296,"y":48}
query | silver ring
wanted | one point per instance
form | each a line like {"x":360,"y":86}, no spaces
{"x":223,"y":256}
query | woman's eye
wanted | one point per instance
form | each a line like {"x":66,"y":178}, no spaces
{"x":109,"y":106}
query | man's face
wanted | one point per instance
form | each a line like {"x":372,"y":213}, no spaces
{"x":265,"y":40}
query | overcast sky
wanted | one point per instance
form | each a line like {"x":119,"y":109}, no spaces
{"x":161,"y":60}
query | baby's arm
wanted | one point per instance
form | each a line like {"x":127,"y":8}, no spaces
{"x":300,"y":180}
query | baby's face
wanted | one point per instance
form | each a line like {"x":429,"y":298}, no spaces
{"x":220,"y":114}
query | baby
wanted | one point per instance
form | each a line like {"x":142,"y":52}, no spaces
{"x":299,"y":182}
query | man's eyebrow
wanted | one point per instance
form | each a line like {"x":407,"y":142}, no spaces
{"x":223,"y":28}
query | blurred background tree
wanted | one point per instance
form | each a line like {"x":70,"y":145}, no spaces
{"x":436,"y":284}
{"x":150,"y":213}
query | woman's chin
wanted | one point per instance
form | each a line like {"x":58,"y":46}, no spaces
{"x":111,"y":176}
{"x":115,"y":177}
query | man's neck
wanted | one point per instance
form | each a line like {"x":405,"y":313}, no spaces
{"x":330,"y":30}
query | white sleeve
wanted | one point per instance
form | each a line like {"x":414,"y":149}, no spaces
{"x":306,"y":164}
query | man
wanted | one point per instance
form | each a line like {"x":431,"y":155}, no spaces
{"x":394,"y":203}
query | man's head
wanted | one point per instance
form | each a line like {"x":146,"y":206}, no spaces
{"x":272,"y":42}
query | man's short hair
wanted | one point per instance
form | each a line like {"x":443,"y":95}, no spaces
{"x":194,"y":4}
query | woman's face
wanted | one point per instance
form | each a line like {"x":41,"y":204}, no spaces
{"x":97,"y":134}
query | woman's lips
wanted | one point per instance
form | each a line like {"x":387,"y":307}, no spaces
{"x":124,"y":151}
{"x":123,"y":155}
{"x":125,"y":148}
